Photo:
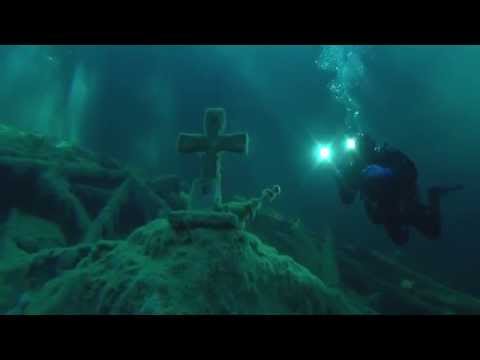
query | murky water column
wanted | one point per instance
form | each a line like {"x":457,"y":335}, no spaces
{"x":44,"y":90}
{"x":30,"y":92}
{"x":346,"y":62}
{"x":79,"y":93}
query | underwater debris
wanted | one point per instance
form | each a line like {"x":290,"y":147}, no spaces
{"x":369,"y":271}
{"x":103,"y":226}
{"x":247,"y":210}
{"x":206,"y":192}
{"x":328,"y":262}
{"x":133,"y":192}
{"x":76,"y":191}
{"x":56,"y":202}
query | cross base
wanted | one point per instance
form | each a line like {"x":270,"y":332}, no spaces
{"x":206,"y":194}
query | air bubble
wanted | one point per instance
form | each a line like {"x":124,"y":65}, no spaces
{"x":346,"y":62}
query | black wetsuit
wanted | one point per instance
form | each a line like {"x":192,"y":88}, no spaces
{"x":387,"y":182}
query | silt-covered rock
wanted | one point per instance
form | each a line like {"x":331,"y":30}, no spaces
{"x":159,"y":270}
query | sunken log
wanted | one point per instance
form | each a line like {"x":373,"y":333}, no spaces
{"x":85,"y":174}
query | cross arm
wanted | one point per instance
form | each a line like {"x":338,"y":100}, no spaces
{"x":190,"y":143}
{"x":237,"y":143}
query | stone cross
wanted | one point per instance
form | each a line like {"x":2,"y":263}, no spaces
{"x":206,"y":191}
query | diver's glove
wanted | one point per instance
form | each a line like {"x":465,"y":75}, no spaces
{"x":346,"y":190}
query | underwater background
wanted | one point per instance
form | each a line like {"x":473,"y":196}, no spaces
{"x":130,"y":103}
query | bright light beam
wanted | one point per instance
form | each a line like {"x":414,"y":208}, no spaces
{"x":351,"y":144}
{"x":323,"y":153}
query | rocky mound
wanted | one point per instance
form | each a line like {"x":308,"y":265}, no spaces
{"x":159,"y":270}
{"x":83,"y":235}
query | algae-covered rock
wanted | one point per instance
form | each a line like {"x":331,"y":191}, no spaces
{"x":290,"y":237}
{"x":159,"y":270}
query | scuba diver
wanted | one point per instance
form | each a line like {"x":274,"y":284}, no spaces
{"x":386,"y":180}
